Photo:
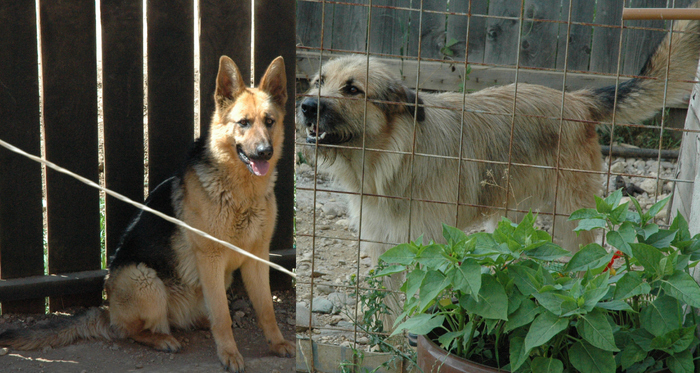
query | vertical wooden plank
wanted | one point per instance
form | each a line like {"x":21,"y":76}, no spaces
{"x":225,"y":30}
{"x":309,"y":20}
{"x":21,"y":240}
{"x":502,"y":34}
{"x":348,"y":25}
{"x":433,"y":29}
{"x":394,"y":31}
{"x":274,"y":36}
{"x":639,"y":44}
{"x":606,"y":40}
{"x":170,"y":86}
{"x":457,"y":29}
{"x":579,"y":35}
{"x":122,"y":83}
{"x":538,"y":45}
{"x":70,"y":117}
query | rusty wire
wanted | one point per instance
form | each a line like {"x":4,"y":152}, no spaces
{"x":618,"y":76}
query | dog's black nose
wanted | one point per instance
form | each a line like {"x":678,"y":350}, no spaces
{"x":309,"y":107}
{"x":263,"y":151}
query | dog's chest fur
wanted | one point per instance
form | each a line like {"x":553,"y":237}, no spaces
{"x":231,"y":213}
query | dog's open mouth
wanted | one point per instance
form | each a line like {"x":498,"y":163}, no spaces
{"x":324,"y":137}
{"x":258,"y":167}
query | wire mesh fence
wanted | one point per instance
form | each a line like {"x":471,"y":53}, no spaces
{"x":415,"y":113}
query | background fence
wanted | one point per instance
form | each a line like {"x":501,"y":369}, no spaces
{"x":492,"y":26}
{"x":434,"y":37}
{"x":66,"y":79}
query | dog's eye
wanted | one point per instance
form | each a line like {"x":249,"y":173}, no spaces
{"x":352,"y":90}
{"x":244,"y":123}
{"x":269,"y":122}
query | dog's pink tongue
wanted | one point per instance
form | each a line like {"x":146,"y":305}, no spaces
{"x":259,"y":167}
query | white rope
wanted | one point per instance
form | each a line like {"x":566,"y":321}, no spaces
{"x":144,"y":207}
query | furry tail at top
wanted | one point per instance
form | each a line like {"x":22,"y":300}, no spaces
{"x":639,"y":99}
{"x":93,"y":323}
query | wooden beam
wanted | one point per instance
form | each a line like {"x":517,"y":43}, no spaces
{"x":445,"y":76}
{"x":93,"y":281}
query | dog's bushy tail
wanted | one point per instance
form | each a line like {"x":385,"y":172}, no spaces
{"x":639,"y":99}
{"x":92,"y":323}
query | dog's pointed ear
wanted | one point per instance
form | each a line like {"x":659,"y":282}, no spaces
{"x":274,"y":82}
{"x":229,"y":82}
{"x":399,"y":93}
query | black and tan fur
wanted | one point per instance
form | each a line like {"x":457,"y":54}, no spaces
{"x":163,"y":276}
{"x":398,"y":139}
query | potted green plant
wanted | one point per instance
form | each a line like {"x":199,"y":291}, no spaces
{"x":506,"y":299}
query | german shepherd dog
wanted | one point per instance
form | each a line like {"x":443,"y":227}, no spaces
{"x":399,"y":156}
{"x":162,"y":276}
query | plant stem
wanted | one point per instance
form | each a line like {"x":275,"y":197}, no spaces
{"x":471,"y":336}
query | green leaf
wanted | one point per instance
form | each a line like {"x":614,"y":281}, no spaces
{"x":680,"y":225}
{"x":682,"y":287}
{"x":642,"y":338}
{"x":518,"y":353}
{"x":594,"y":293}
{"x":629,"y":285}
{"x":586,"y":214}
{"x":421,"y":324}
{"x":631,"y":354}
{"x":619,"y":213}
{"x":414,"y":279}
{"x":674,"y":341}
{"x":614,"y":198}
{"x":590,"y":224}
{"x":648,"y":256}
{"x":390,"y":270}
{"x":548,"y":251}
{"x":618,"y":241}
{"x":554,"y":301}
{"x":648,"y":230}
{"x":446,"y":340}
{"x":658,"y":206}
{"x":591,"y":256}
{"x":602,"y":206}
{"x":545,"y":326}
{"x":595,"y":328}
{"x":526,"y":279}
{"x":615,"y":305}
{"x":661,"y":316}
{"x":452,"y":234}
{"x":434,"y":282}
{"x":467,"y":277}
{"x":681,"y":362}
{"x":433,"y":257}
{"x":523,"y":315}
{"x":401,"y":254}
{"x":589,"y":359}
{"x":493,"y":301}
{"x":661,"y":239}
{"x":546,"y":365}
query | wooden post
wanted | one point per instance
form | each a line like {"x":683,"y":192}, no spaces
{"x":686,"y":195}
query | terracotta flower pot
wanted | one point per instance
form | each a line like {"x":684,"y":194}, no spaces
{"x":433,"y":359}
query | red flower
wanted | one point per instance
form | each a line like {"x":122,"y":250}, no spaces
{"x":618,"y":254}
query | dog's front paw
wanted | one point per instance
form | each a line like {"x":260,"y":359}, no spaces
{"x":232,"y":360}
{"x":284,"y":349}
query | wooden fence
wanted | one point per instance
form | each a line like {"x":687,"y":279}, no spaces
{"x":396,"y":26}
{"x":68,"y":82}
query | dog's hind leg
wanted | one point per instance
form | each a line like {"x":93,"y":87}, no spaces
{"x":575,"y":192}
{"x":138,"y":302}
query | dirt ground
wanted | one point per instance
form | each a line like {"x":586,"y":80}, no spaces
{"x":198,"y":353}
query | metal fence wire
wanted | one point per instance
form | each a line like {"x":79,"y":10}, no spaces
{"x":447,"y":46}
